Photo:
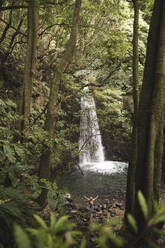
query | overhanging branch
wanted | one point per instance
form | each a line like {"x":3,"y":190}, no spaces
{"x":25,"y":7}
{"x":56,"y":2}
{"x":13,"y":7}
{"x":12,"y":27}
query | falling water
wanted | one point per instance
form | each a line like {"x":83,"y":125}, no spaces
{"x":91,"y":157}
{"x":90,"y":144}
{"x":99,"y":176}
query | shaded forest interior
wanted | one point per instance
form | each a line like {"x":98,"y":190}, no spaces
{"x":49,"y":51}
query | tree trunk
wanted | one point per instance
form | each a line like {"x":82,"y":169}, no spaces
{"x":30,"y":64}
{"x":45,"y":161}
{"x":151,"y":115}
{"x":130,"y":197}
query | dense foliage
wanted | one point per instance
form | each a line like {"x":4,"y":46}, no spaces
{"x":103,"y":58}
{"x":62,"y":233}
{"x":102,"y":61}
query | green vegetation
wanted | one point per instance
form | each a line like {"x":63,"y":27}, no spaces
{"x":61,"y":233}
{"x":49,"y":50}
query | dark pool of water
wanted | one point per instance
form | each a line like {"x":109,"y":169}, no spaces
{"x":93,"y":183}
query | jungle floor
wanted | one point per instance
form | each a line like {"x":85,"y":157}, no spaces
{"x":105,"y":207}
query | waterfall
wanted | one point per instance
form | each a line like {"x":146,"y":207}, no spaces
{"x":90,"y":143}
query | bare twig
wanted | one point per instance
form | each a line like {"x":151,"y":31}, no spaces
{"x":16,"y":32}
{"x":6,"y":28}
{"x":25,"y":7}
{"x":13,"y":7}
{"x":12,"y":27}
{"x":78,"y":166}
{"x":56,"y":2}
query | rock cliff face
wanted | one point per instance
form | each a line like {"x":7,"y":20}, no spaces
{"x":116,"y":148}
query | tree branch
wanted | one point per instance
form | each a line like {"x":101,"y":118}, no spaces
{"x":64,"y":24}
{"x":25,"y":7}
{"x":6,"y":28}
{"x":16,"y":32}
{"x":12,"y":27}
{"x":13,"y":7}
{"x":113,"y":71}
{"x":11,"y":45}
{"x":56,"y":3}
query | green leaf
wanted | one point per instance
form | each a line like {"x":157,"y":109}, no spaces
{"x":11,"y":104}
{"x":21,"y":237}
{"x":83,"y":243}
{"x":114,"y":221}
{"x":14,"y":179}
{"x":33,"y":231}
{"x":143,"y":204}
{"x":132,"y":222}
{"x":52,"y":219}
{"x":156,"y":220}
{"x":151,"y":244}
{"x":9,"y":152}
{"x":94,"y":226}
{"x":50,"y":241}
{"x":40,"y":221}
{"x":19,"y":151}
{"x":117,"y":240}
{"x":75,"y":233}
{"x":60,"y":223}
{"x":159,"y":231}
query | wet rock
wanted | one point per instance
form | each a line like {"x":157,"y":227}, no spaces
{"x":68,"y":204}
{"x":73,"y":211}
{"x":119,"y":204}
{"x":105,"y":206}
{"x":96,"y":208}
{"x":107,"y":201}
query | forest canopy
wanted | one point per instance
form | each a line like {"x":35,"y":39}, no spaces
{"x":49,"y":52}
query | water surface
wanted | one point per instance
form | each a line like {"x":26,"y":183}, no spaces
{"x":107,"y":178}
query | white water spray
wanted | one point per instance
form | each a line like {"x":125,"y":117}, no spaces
{"x":91,"y":157}
{"x":90,"y":144}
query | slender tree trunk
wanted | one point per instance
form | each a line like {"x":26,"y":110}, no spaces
{"x":45,"y":161}
{"x":30,"y":64}
{"x":130,"y":197}
{"x":151,"y":115}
